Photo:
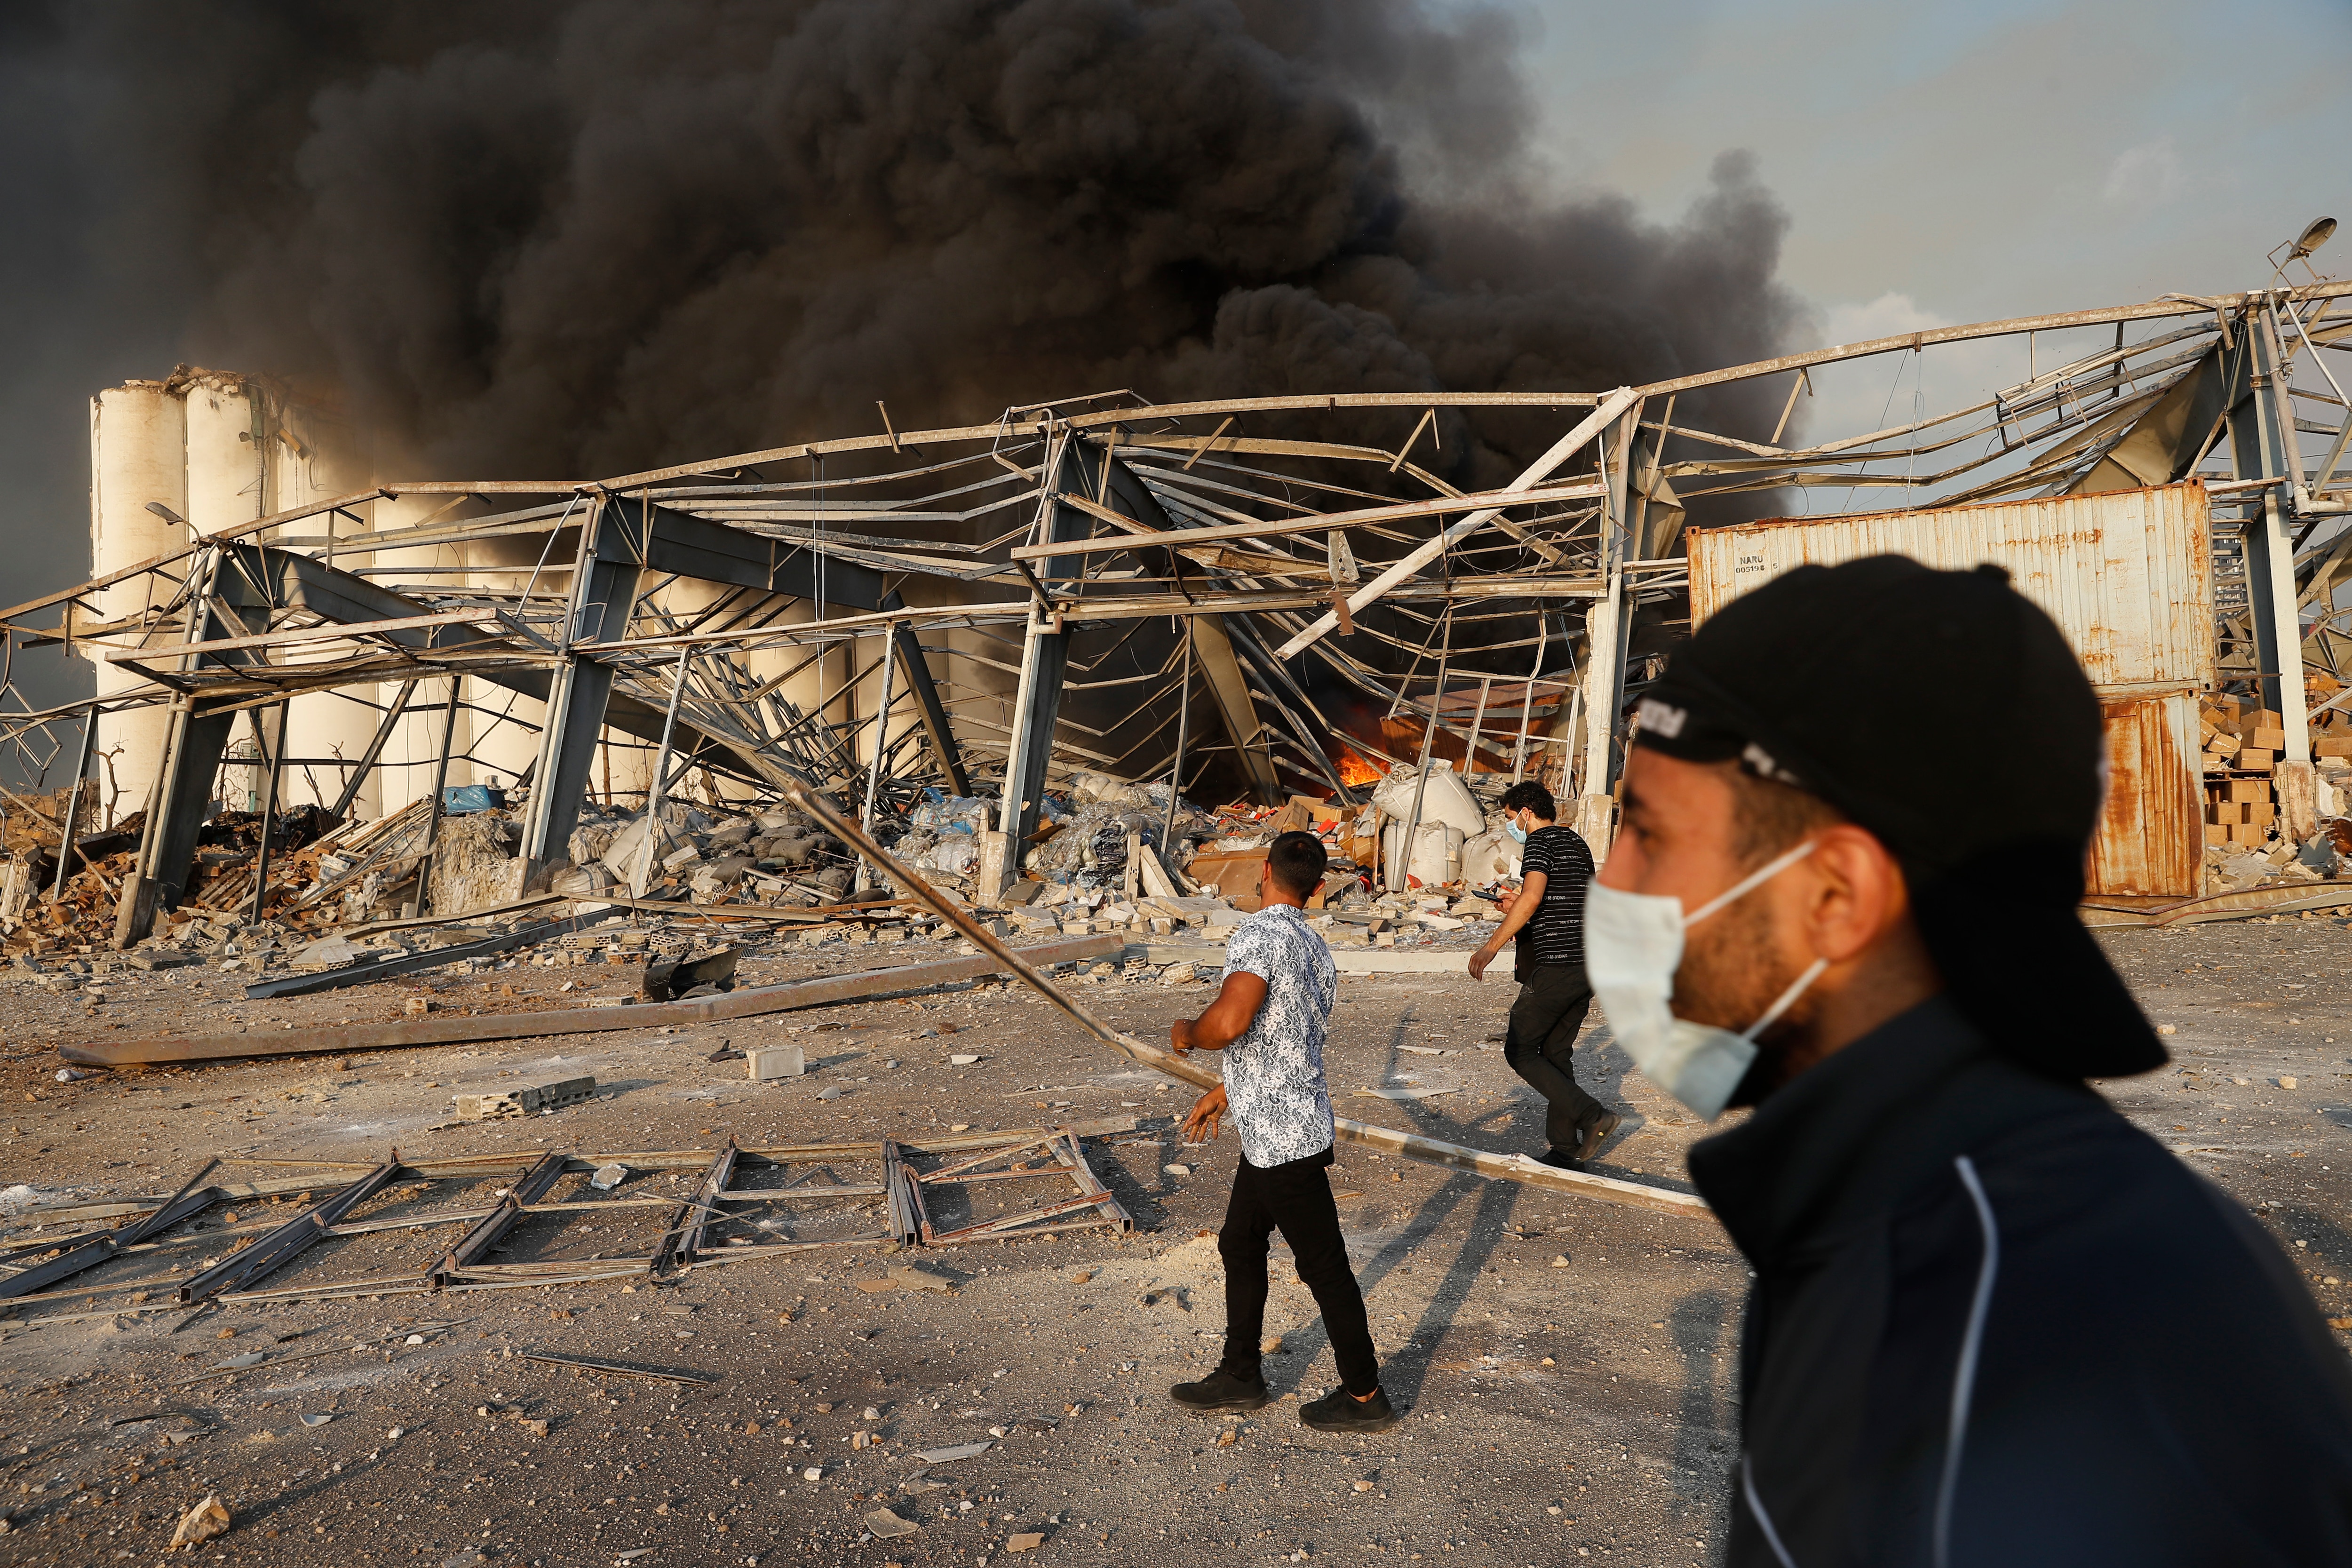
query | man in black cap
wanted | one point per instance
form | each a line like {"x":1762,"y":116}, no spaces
{"x":1992,"y":1322}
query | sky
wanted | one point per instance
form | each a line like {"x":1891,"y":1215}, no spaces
{"x":1946,"y":164}
{"x":1939,"y":163}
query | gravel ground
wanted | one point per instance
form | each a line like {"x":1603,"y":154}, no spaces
{"x":1567,"y":1367}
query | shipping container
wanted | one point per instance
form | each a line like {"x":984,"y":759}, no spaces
{"x":2126,"y":574}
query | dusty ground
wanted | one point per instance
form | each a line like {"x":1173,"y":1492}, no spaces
{"x":1567,"y":1365}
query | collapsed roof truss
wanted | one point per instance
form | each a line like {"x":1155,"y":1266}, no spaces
{"x":1036,"y":594}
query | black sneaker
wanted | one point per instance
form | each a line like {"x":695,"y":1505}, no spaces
{"x":1595,"y":1133}
{"x":1341,"y":1410}
{"x":1221,"y":1390}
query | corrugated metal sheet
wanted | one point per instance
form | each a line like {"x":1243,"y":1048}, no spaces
{"x":2126,"y":574}
{"x":2151,"y":838}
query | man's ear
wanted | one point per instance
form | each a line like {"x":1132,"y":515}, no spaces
{"x":1859,"y":892}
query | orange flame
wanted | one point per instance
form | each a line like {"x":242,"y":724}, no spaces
{"x":1354,"y":770}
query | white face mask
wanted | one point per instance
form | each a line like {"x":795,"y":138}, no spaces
{"x":1633,"y":945}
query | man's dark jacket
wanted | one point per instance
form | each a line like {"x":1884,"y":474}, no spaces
{"x":1945,"y":1240}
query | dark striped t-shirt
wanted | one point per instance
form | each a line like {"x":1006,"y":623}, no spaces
{"x":1555,"y":937}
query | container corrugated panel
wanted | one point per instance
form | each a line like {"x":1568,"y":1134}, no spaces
{"x":2126,"y":574}
{"x":2151,"y":838}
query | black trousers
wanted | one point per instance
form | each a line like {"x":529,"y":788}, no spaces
{"x":1551,"y":1008}
{"x":1295,"y":1198}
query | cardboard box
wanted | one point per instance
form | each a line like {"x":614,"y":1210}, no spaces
{"x":1233,"y":873}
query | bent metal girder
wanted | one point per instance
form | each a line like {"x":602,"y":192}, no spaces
{"x":1033,"y":574}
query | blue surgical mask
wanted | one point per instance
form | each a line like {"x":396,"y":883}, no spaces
{"x":1519,"y":834}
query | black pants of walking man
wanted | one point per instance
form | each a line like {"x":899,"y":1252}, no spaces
{"x":1541,"y":1035}
{"x":1295,"y":1198}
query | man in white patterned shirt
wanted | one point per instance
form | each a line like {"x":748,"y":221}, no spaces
{"x":1270,"y":1019}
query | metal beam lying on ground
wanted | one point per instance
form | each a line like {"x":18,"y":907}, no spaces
{"x":532,"y":1185}
{"x":289,"y":1240}
{"x":862,"y":985}
{"x":185,"y":1204}
{"x":365,"y":973}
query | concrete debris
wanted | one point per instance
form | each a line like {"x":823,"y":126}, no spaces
{"x":532,"y":1100}
{"x":201,"y":1523}
{"x":775,"y":1061}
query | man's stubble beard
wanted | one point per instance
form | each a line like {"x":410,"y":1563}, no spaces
{"x":1731,"y":974}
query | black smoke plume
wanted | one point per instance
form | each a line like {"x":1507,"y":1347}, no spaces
{"x":571,"y":237}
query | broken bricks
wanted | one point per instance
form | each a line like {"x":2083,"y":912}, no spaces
{"x":530,"y":1100}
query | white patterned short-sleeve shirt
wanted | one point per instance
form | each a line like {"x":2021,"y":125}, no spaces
{"x":1273,"y":1073}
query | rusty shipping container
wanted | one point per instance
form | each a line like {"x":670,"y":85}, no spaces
{"x":2126,"y":574}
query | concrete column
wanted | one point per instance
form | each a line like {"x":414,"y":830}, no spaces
{"x":138,"y":435}
{"x":311,"y":456}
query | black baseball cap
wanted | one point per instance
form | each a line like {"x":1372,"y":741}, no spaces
{"x":1900,"y":695}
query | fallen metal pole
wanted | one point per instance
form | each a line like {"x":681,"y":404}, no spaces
{"x":866,"y":984}
{"x":281,"y":1245}
{"x":527,"y":1189}
{"x":89,"y":1252}
{"x":1410,"y":1146}
{"x":431,"y":958}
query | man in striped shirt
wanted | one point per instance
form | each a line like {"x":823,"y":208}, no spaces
{"x":1546,"y":916}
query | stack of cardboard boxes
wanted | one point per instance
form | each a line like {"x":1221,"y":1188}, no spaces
{"x":2242,"y":748}
{"x":2242,"y":745}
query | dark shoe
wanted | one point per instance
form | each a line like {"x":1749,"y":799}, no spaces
{"x":1596,"y":1132}
{"x":1341,"y":1410}
{"x":1565,"y":1159}
{"x":1221,"y":1390}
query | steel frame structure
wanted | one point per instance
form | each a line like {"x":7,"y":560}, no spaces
{"x":1050,"y":582}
